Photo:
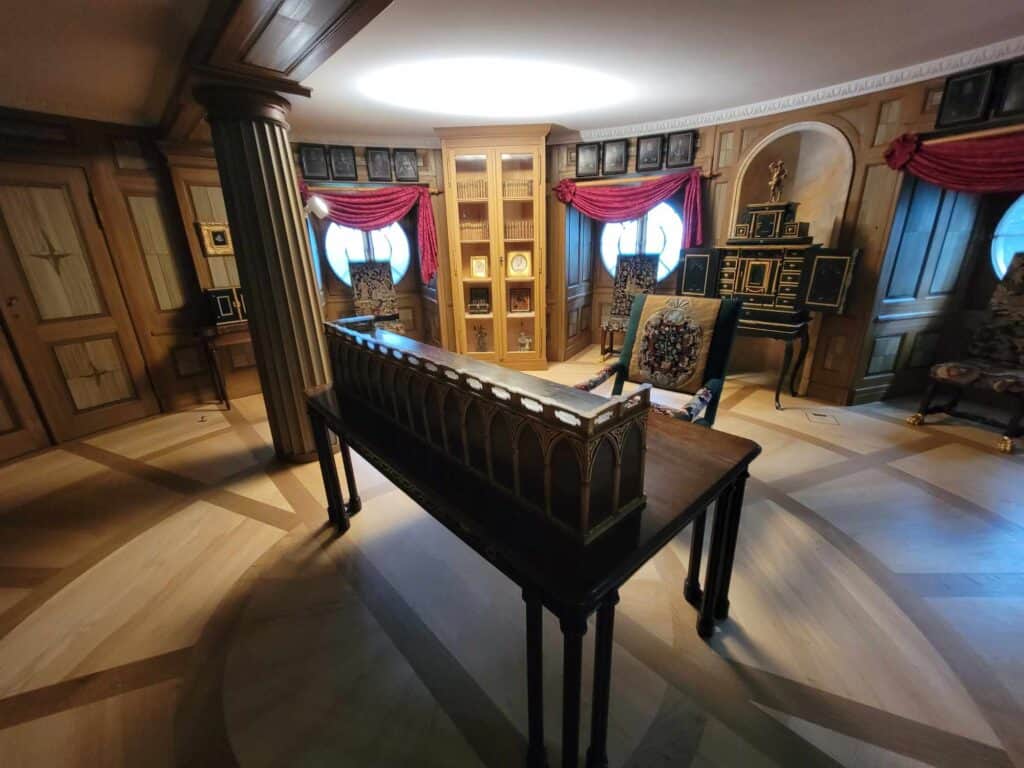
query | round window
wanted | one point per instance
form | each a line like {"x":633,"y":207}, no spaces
{"x":1008,"y":239}
{"x":345,"y":246}
{"x":660,"y":232}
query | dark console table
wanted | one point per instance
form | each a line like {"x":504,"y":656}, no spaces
{"x":685,"y":469}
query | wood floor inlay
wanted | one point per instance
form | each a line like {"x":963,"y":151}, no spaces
{"x":170,"y":596}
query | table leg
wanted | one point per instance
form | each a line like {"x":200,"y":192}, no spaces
{"x":712,"y":580}
{"x":215,"y":373}
{"x":729,"y":556}
{"x":805,"y":342}
{"x":691,"y":587}
{"x":597,"y":754}
{"x":354,"y":502}
{"x":328,"y":471}
{"x":536,"y":757}
{"x":573,"y":629}
{"x":787,"y":358}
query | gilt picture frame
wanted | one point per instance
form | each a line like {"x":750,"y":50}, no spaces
{"x":215,"y":239}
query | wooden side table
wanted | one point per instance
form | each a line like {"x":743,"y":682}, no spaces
{"x":214,"y":337}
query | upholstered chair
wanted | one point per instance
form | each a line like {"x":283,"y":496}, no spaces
{"x":995,"y":361}
{"x":374,"y":292}
{"x":680,"y":344}
{"x":634,"y":275}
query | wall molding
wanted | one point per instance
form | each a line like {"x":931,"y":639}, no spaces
{"x":947,"y":65}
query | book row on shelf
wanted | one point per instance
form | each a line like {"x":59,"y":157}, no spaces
{"x":476,"y":189}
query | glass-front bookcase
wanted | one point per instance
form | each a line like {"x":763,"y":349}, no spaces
{"x":494,"y":195}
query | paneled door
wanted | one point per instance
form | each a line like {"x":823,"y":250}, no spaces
{"x":21,"y":429}
{"x":63,"y":306}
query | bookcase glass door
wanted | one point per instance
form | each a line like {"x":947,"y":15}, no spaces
{"x":473,"y":187}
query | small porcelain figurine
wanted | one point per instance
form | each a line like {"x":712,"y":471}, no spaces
{"x":481,"y":338}
{"x":525,"y":342}
{"x":777,"y":175}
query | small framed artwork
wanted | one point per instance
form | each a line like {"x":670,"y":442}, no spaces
{"x":215,"y":239}
{"x":1011,"y":101}
{"x":406,"y":165}
{"x":649,"y":152}
{"x":479,"y":267}
{"x":343,"y":163}
{"x":519,"y":263}
{"x":966,"y":98}
{"x":613,"y":157}
{"x":588,"y":160}
{"x":479,"y":301}
{"x":378,"y":164}
{"x":681,"y":148}
{"x":313,"y":160}
{"x":520,"y":300}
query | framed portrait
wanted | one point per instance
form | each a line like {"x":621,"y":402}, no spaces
{"x":215,"y":239}
{"x":479,"y":266}
{"x":966,"y":98}
{"x":1011,"y":99}
{"x":681,"y":148}
{"x":343,"y":163}
{"x":407,"y":165}
{"x":520,"y":299}
{"x":313,"y":161}
{"x":378,"y":164}
{"x":613,"y":157}
{"x":649,"y":151}
{"x":588,"y":160}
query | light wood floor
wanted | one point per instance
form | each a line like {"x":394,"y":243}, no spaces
{"x":169,"y":595}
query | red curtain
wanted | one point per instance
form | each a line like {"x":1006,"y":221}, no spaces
{"x":616,"y":202}
{"x":984,"y":164}
{"x":371,"y":209}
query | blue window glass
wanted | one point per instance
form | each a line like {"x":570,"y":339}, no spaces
{"x":1008,"y":238}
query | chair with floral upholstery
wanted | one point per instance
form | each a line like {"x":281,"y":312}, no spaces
{"x":636,"y":274}
{"x":374,"y":294}
{"x":995,"y":360}
{"x":677,"y":343}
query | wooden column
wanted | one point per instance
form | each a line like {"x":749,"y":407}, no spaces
{"x":250,"y":140}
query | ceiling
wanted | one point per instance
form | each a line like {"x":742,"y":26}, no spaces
{"x":114,"y":60}
{"x":678,"y":58}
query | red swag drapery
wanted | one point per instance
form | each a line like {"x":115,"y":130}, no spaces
{"x":983,"y":164}
{"x":615,"y":203}
{"x":371,"y":209}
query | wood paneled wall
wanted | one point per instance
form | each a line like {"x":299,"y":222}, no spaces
{"x":130,"y":192}
{"x":869,"y":123}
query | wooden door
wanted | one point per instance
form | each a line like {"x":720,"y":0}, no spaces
{"x":21,"y":429}
{"x":63,"y":306}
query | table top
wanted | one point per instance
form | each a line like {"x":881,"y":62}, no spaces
{"x":686,"y":468}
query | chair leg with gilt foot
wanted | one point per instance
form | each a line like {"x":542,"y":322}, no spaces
{"x":1014,"y":430}
{"x":918,"y":418}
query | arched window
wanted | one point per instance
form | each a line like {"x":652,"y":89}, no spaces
{"x":345,"y":245}
{"x":660,"y":231}
{"x":1008,"y":238}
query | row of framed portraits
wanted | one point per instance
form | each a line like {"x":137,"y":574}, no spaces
{"x":993,"y":92}
{"x":610,"y":158}
{"x":321,"y":162}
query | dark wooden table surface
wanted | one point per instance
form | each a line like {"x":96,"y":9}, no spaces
{"x":687,"y":468}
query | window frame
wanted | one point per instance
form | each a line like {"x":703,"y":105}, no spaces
{"x":676,"y":206}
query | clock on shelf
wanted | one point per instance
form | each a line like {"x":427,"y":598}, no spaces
{"x":518,"y":264}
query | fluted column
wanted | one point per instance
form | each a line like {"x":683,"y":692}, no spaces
{"x":250,"y":139}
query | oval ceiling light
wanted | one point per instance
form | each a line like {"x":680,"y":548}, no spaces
{"x":494,"y":87}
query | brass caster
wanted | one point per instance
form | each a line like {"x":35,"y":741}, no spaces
{"x":1006,"y":444}
{"x":915,"y":420}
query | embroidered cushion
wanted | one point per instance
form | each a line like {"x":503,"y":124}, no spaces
{"x":633,"y":275}
{"x":982,"y":374}
{"x":673,"y":338}
{"x":374,"y":289}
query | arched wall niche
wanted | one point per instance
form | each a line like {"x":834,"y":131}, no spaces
{"x":819,"y":159}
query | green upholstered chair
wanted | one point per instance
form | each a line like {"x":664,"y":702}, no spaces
{"x":667,"y":345}
{"x":995,"y":361}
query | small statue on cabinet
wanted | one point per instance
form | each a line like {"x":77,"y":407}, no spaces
{"x":481,"y":338}
{"x":525,"y":341}
{"x":777,"y":174}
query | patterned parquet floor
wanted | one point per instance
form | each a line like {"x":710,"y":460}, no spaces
{"x":170,"y":595}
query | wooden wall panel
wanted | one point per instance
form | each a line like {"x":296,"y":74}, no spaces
{"x":21,"y":427}
{"x":165,"y":274}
